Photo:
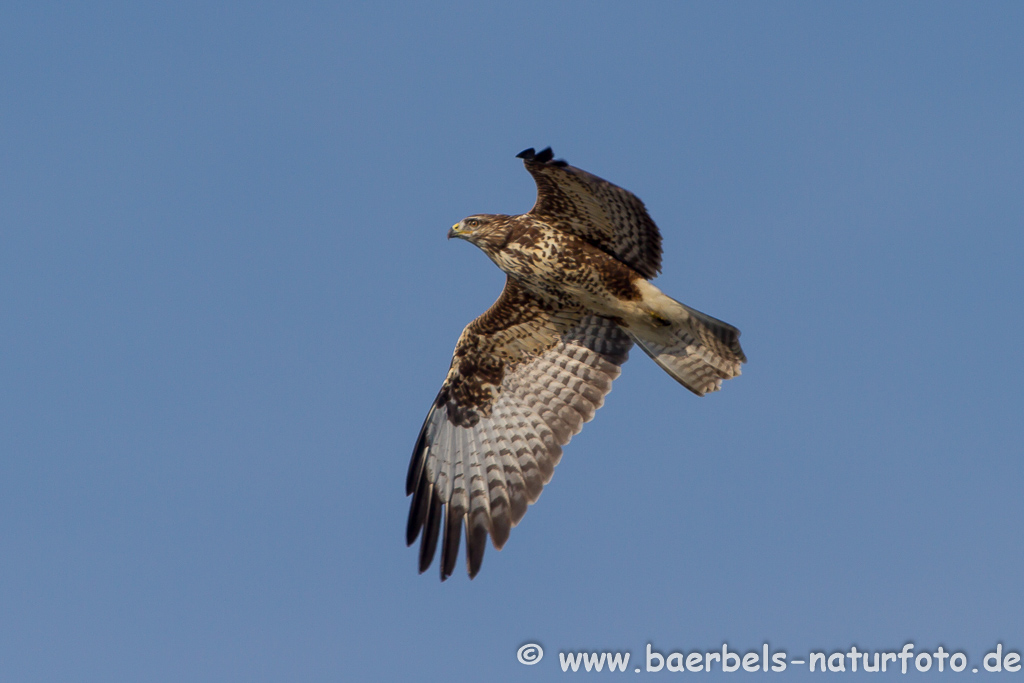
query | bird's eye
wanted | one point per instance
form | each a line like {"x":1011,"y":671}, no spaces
{"x":472,"y":223}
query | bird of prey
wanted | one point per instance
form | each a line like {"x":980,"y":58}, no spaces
{"x":535,"y":366}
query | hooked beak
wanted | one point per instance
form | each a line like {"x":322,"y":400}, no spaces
{"x":454,"y":232}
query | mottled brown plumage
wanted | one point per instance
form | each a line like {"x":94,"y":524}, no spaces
{"x":535,"y":366}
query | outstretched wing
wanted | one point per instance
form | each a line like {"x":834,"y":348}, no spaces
{"x":607,"y":216}
{"x":525,"y":377}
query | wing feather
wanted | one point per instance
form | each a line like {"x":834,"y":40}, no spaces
{"x":524,"y":380}
{"x":604,"y":214}
{"x":450,"y":542}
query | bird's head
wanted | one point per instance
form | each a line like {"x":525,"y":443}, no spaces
{"x":487,"y":231}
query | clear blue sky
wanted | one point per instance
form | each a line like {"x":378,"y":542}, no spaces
{"x":228,"y":301}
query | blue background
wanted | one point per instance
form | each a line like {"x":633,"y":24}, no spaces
{"x":227,"y":302}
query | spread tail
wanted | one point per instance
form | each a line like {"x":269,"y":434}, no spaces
{"x":698,"y":351}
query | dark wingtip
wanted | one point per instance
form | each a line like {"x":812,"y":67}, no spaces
{"x":416,"y":462}
{"x":431,"y":528}
{"x":418,"y":509}
{"x":545,"y":156}
{"x":419,"y":451}
{"x":476,"y":541}
{"x":450,"y":541}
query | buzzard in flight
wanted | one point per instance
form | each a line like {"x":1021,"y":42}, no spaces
{"x":535,"y":366}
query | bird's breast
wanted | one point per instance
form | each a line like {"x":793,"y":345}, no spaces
{"x":569,"y":270}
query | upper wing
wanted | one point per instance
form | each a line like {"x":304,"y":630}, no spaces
{"x":607,"y":216}
{"x":524,"y":378}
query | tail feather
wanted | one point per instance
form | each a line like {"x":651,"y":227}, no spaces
{"x":698,"y":353}
{"x":719,"y":335}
